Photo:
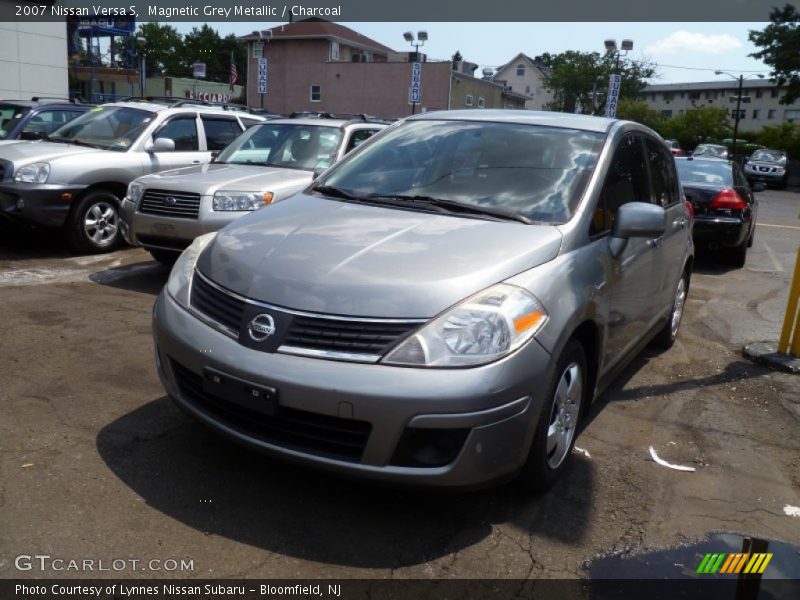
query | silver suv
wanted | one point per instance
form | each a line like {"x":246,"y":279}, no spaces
{"x":76,"y":177}
{"x":165,"y":211}
{"x":439,"y":307}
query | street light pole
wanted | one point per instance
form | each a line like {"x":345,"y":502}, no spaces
{"x":738,"y":114}
{"x":615,"y":80}
{"x":422,"y":37}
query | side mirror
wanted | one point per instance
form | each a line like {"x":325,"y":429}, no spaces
{"x":759,"y":186}
{"x":31,"y":135}
{"x":636,"y":220}
{"x":160,"y":145}
{"x":317,"y":172}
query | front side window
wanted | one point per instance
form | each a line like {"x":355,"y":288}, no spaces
{"x":662,"y":174}
{"x":106,"y":127}
{"x":533,"y":171}
{"x":47,"y":121}
{"x":305,"y":147}
{"x":626,"y":181}
{"x":181,"y":130}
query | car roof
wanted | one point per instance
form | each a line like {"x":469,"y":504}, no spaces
{"x":337,"y":123}
{"x":523,"y":117}
{"x":159,"y":107}
{"x":44,"y":102}
{"x":702,"y":159}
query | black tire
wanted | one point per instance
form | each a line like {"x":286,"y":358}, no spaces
{"x":738,"y":255}
{"x":665,"y":339}
{"x":165,"y":257}
{"x":106,"y":235}
{"x":538,"y":474}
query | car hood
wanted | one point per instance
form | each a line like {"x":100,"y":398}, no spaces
{"x":765,"y":163}
{"x":320,"y":255}
{"x":26,"y":151}
{"x":208,"y":178}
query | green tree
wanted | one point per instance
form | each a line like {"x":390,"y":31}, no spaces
{"x":785,"y":136}
{"x":779,"y":45}
{"x":705,"y":124}
{"x":163,"y":50}
{"x":574,"y":75}
{"x":205,"y":45}
{"x":639,"y":111}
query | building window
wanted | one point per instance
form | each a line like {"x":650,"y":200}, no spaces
{"x":708,"y":95}
{"x":774,"y":92}
{"x":481,"y":103}
{"x":682,"y":94}
{"x":258,"y":49}
{"x":759,"y":93}
{"x":316,"y":93}
{"x":668,"y":95}
{"x":771,"y":113}
{"x":538,"y":90}
{"x":681,"y":111}
{"x":667,"y":114}
{"x":791,"y":114}
{"x":468,"y":100}
{"x":756,"y":113}
{"x":334,"y":50}
{"x":527,"y":89}
{"x":694,"y":95}
{"x":742,"y":113}
{"x":520,"y":70}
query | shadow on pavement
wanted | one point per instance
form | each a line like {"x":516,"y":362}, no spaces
{"x":190,"y":474}
{"x":147,"y":277}
{"x":712,"y":262}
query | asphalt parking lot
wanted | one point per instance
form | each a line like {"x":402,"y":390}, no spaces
{"x":95,"y":462}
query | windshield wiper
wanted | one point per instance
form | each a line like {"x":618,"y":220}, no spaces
{"x":453,"y":206}
{"x":335,"y":192}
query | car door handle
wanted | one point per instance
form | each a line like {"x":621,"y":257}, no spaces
{"x":679,"y":223}
{"x":195,"y":162}
{"x":654,"y":243}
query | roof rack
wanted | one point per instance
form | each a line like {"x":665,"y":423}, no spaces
{"x":73,"y":100}
{"x":343,"y":116}
{"x":178,"y":102}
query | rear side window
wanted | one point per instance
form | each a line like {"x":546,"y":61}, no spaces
{"x":47,"y":121}
{"x":662,"y":174}
{"x":219,"y":132}
{"x":248,"y":123}
{"x":359,"y":137}
{"x":626,"y":181}
{"x":183,"y":131}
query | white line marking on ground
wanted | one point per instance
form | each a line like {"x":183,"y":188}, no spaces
{"x":779,"y":226}
{"x":773,"y":257}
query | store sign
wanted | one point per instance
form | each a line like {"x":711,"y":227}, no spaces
{"x":199,"y":70}
{"x":207,"y":96}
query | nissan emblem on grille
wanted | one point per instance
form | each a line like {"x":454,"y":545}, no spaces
{"x":261,"y":327}
{"x":170,"y":200}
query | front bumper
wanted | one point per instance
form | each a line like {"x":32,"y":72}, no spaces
{"x":39,"y":204}
{"x":725,"y":231}
{"x":170,"y":233}
{"x":496,"y":406}
{"x":769,"y":177}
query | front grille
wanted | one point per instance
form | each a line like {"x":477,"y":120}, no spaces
{"x":182,"y":205}
{"x":216,"y":304}
{"x":767,"y":169}
{"x":321,"y":435}
{"x":335,"y":335}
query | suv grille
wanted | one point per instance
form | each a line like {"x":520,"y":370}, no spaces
{"x":322,"y":435}
{"x":305,"y":332}
{"x":182,"y":205}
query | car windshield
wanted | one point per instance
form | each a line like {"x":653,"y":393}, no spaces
{"x":709,"y":150}
{"x":708,"y":172}
{"x":105,"y":127}
{"x":288,"y":145}
{"x":10,"y":115}
{"x":769,"y":156}
{"x":532,"y":171}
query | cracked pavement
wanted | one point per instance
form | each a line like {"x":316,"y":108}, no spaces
{"x":96,"y":462}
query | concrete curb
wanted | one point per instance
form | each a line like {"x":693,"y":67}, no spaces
{"x":766,"y":353}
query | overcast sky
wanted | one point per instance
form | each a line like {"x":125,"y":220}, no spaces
{"x":683,"y":51}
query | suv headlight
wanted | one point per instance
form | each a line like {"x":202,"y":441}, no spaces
{"x":179,"y":283}
{"x":135,"y":191}
{"x":33,"y":173}
{"x":479,"y":330}
{"x":241,"y":200}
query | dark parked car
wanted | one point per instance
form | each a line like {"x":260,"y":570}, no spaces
{"x":711,"y":151}
{"x":724,"y":204}
{"x":769,"y":166}
{"x":35,"y":118}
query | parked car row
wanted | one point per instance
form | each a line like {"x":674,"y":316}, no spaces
{"x":439,"y":305}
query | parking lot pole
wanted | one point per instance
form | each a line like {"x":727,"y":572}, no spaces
{"x":791,"y":322}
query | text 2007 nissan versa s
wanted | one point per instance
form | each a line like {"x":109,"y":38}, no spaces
{"x":441,"y":306}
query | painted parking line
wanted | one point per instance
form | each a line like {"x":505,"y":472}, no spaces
{"x":773,"y":257}
{"x":779,"y":226}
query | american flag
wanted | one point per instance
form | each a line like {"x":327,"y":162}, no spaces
{"x":234,"y":73}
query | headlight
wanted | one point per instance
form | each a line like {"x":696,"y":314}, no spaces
{"x":33,"y":173}
{"x":779,"y":169}
{"x":180,"y":279}
{"x":241,"y":200}
{"x":482,"y":328}
{"x":135,"y":191}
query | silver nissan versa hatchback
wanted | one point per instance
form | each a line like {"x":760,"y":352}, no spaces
{"x":442,"y":305}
